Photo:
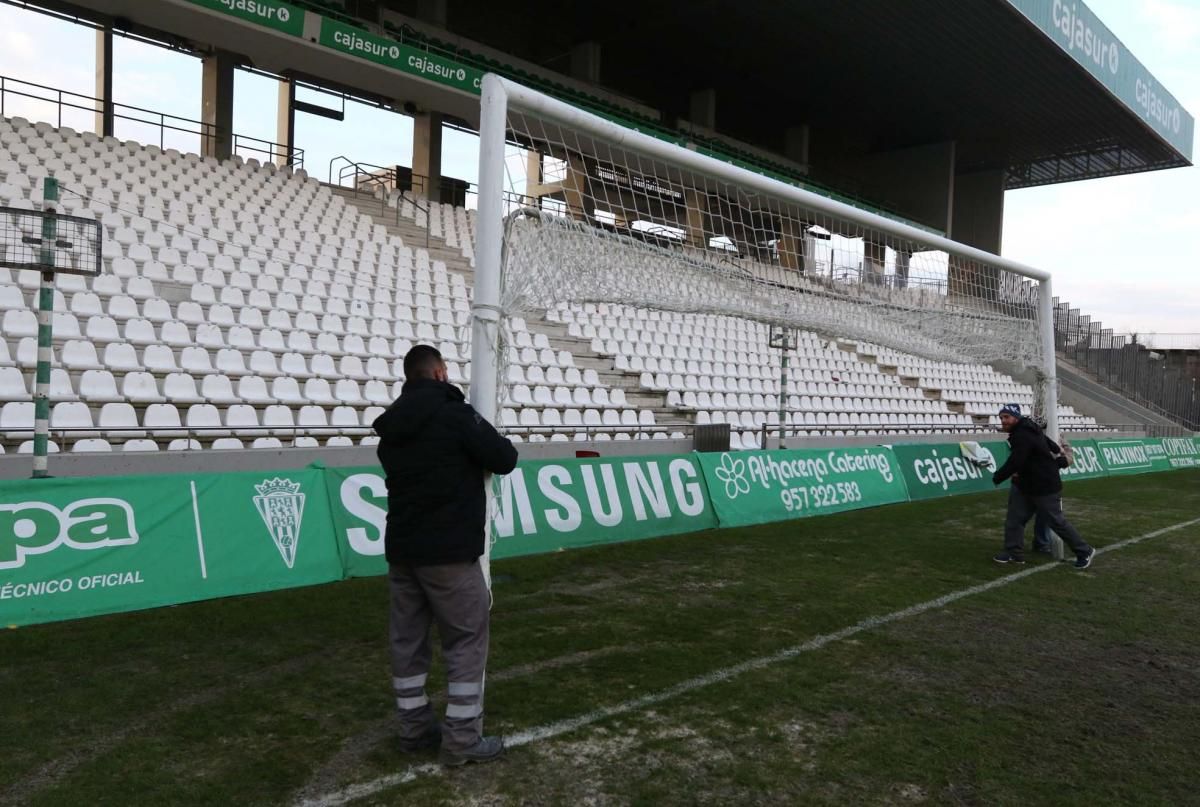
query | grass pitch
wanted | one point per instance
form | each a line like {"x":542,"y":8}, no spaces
{"x":1062,"y":688}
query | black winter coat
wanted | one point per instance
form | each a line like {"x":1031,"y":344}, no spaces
{"x":1033,"y":462}
{"x":435,"y":449}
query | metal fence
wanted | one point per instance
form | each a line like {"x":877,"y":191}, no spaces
{"x":1120,"y":362}
{"x":76,"y":110}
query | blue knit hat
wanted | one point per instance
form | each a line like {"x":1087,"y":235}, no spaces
{"x":1011,"y":409}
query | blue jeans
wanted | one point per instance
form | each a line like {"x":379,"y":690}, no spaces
{"x":1041,"y":533}
{"x":1022,"y":508}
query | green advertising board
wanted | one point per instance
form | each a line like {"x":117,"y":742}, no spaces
{"x":78,"y":547}
{"x":1087,"y":463}
{"x":275,"y":14}
{"x":1159,"y":461}
{"x":1076,"y":29}
{"x":756,"y":487}
{"x":933,"y":470}
{"x":1126,"y":456}
{"x":542,"y":506}
{"x":390,"y":53}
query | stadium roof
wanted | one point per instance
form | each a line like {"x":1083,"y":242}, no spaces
{"x":1039,"y":89}
{"x":1000,"y":77}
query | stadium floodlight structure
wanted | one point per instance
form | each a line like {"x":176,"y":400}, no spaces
{"x":632,"y":219}
{"x":47,"y":242}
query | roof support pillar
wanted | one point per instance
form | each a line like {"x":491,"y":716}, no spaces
{"x":702,"y":108}
{"x":585,"y":62}
{"x":427,"y":153}
{"x":216,"y":105}
{"x":105,"y":113}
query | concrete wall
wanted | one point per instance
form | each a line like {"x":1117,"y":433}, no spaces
{"x":918,"y":183}
{"x":13,"y":466}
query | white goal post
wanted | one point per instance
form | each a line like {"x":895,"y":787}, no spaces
{"x":644,"y":222}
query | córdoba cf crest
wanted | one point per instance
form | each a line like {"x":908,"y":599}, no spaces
{"x":281,"y":505}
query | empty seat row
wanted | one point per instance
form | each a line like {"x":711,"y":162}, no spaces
{"x":200,"y":420}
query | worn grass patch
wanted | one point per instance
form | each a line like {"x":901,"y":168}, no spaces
{"x":1062,"y":688}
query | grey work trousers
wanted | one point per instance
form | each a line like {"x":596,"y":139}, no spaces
{"x":1048,"y":508}
{"x":455,"y":596}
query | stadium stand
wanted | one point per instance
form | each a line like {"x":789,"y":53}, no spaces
{"x":244,"y":306}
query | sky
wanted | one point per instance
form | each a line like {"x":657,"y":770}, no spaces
{"x":1123,"y":249}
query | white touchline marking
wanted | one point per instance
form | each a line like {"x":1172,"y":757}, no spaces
{"x":199,"y":537}
{"x":551,"y":730}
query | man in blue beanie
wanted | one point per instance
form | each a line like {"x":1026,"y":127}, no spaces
{"x":1036,"y":489}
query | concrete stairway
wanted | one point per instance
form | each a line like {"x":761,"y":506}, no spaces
{"x":1082,"y":390}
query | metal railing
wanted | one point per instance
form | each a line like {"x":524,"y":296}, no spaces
{"x":1118,"y":361}
{"x":64,"y":102}
{"x":273,"y":152}
{"x":925,"y":429}
{"x":377,"y":181}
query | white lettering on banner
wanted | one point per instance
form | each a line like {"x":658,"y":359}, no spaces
{"x":1157,"y":108}
{"x":688,"y":495}
{"x":357,"y":44}
{"x":612,"y":516}
{"x":849,"y":463}
{"x":109,"y":580}
{"x":18,"y":591}
{"x":1087,"y":461}
{"x":513,"y":493}
{"x":356,"y":504}
{"x":259,"y":9}
{"x":768,"y":469}
{"x":1130,"y":454}
{"x":643,"y":490}
{"x":429,"y":67}
{"x":941,"y":471}
{"x":1080,"y":36}
{"x":573,"y":517}
{"x":1180,"y":447}
{"x":32,"y":528}
{"x":599,"y":485}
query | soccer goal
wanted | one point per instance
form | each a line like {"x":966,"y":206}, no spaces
{"x":576,"y":209}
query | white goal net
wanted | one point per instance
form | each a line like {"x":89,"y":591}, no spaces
{"x":578,"y":209}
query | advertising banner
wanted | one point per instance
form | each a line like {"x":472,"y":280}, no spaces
{"x":406,"y":59}
{"x":1126,"y":456}
{"x":77,"y":547}
{"x":280,"y":16}
{"x":933,"y":470}
{"x":80,"y":547}
{"x":756,"y":487}
{"x":1076,"y":29}
{"x":542,"y":506}
{"x":1087,"y":464}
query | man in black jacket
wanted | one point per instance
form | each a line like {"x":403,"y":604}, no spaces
{"x":1036,"y":489}
{"x":436,"y":452}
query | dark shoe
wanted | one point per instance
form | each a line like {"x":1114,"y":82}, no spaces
{"x":1008,"y":557}
{"x":486,"y":750}
{"x":1085,"y":560}
{"x":428,"y":740}
{"x":1042,"y":550}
